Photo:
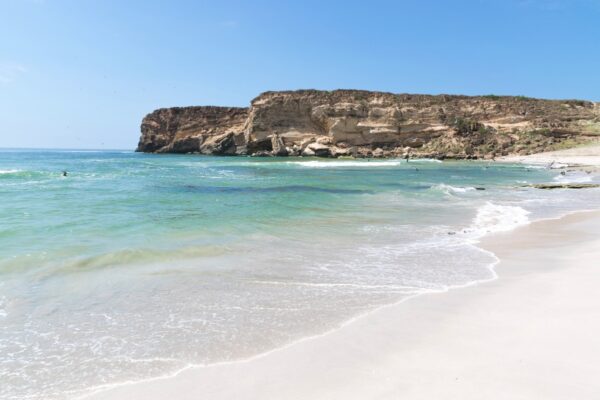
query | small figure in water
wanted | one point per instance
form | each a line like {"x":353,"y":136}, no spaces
{"x":407,"y":157}
{"x":64,"y":173}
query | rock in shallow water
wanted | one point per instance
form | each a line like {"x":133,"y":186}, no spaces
{"x":564,"y":185}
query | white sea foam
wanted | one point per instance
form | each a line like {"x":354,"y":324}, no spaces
{"x":3,"y":312}
{"x":432,"y":160}
{"x":546,"y":165}
{"x":9,"y":171}
{"x":579,"y":177}
{"x":337,"y":284}
{"x":337,"y":164}
{"x":492,"y":218}
{"x":449,"y":189}
{"x":535,"y":166}
{"x":555,"y":165}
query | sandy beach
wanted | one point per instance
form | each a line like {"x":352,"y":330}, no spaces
{"x":213,"y":200}
{"x":531,"y":334}
{"x":583,"y":156}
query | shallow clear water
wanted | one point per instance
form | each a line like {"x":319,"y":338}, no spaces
{"x":135,"y":265}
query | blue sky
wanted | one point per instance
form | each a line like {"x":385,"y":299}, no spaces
{"x":82,"y":73}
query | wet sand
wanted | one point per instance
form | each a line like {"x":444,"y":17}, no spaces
{"x":531,"y":334}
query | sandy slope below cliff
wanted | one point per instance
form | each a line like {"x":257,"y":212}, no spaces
{"x":531,"y":334}
{"x":578,"y":156}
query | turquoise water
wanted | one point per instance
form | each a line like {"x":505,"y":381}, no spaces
{"x":134,"y":266}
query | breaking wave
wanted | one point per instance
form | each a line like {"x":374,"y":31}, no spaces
{"x":337,"y":164}
{"x":493,"y":218}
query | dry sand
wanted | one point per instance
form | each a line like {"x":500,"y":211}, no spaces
{"x":578,"y":156}
{"x":534,"y":333}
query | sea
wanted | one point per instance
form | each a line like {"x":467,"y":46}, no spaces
{"x":117,"y":266}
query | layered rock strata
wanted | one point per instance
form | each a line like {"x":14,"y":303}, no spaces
{"x":373,"y":124}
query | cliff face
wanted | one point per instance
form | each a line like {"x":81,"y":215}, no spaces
{"x":210,"y":130}
{"x":365,"y":124}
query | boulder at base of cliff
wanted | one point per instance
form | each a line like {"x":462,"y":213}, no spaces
{"x":186,"y":145}
{"x":378,"y":152}
{"x":279,"y":148}
{"x":308,"y":152}
{"x":219,"y":145}
{"x":320,"y":150}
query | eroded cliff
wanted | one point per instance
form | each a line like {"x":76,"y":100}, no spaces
{"x":373,"y":124}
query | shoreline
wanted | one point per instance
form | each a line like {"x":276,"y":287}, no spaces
{"x":195,"y":379}
{"x":585,"y":157}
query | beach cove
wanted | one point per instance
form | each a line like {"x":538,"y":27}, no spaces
{"x":136,"y":267}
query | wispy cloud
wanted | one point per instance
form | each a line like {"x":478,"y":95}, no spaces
{"x":9,"y":72}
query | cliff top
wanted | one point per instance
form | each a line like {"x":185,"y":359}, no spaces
{"x":357,"y":94}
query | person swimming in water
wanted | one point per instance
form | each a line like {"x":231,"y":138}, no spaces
{"x":64,"y":173}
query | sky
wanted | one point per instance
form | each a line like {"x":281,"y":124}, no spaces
{"x":83,"y":73}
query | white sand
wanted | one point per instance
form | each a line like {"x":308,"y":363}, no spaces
{"x":578,"y":156}
{"x":532,"y":334}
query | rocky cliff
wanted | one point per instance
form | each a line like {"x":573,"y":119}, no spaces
{"x":373,"y":124}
